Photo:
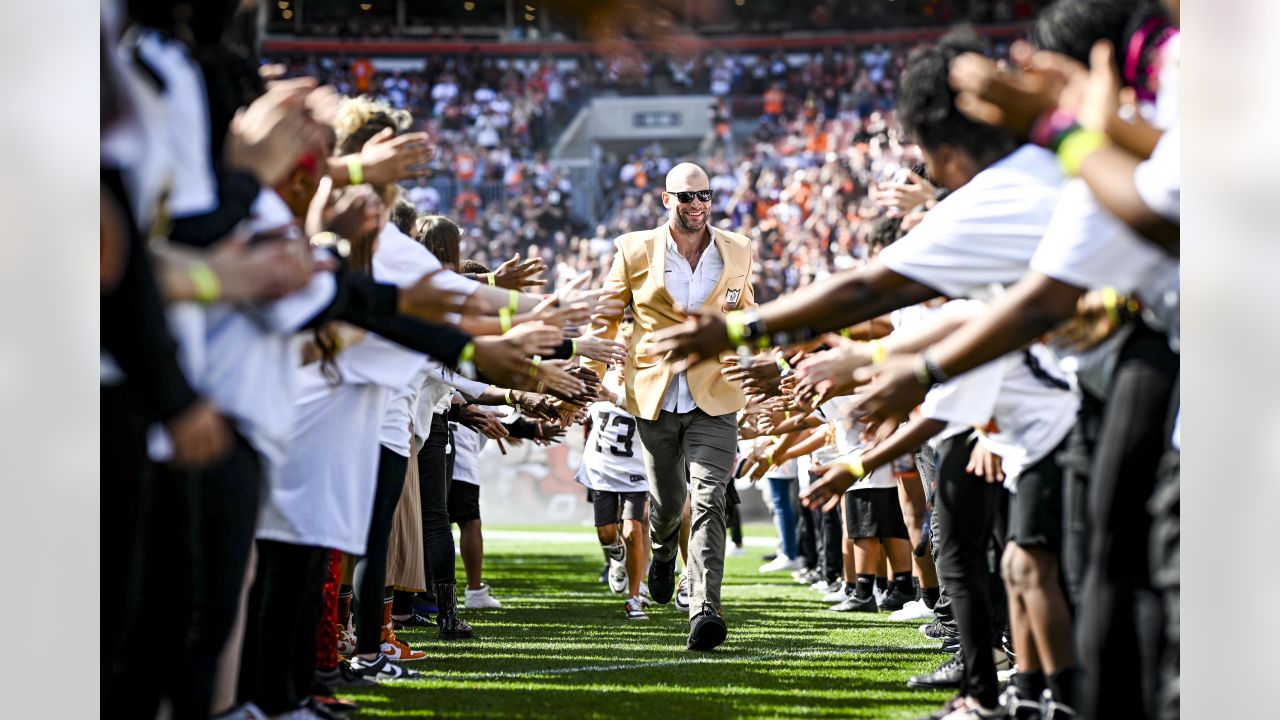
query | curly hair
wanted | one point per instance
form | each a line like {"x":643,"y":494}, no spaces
{"x":927,"y":104}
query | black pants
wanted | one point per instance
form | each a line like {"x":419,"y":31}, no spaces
{"x":285,"y":604}
{"x":966,"y":507}
{"x":830,"y":544}
{"x":1121,"y":618}
{"x":370,"y":573}
{"x":807,"y":536}
{"x":196,"y":536}
{"x":127,"y":476}
{"x":1075,"y":460}
{"x":434,"y":472}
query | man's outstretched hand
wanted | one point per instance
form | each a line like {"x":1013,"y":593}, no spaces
{"x":701,"y":337}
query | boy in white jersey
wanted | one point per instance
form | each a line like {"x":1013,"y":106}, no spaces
{"x":613,"y":470}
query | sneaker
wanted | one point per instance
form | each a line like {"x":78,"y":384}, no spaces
{"x":735,"y":551}
{"x":342,"y":676}
{"x":949,"y":674}
{"x":707,"y":630}
{"x":976,"y":713}
{"x":894,"y":600}
{"x":938,"y":630}
{"x":854,"y":604}
{"x":782,"y":563}
{"x":604,"y":574}
{"x":328,"y":706}
{"x":346,"y":641}
{"x":914,"y":610}
{"x":381,"y":669}
{"x":1017,"y":707}
{"x":635,"y":608}
{"x":1051,"y":709}
{"x":1001,"y":659}
{"x":481,"y":599}
{"x":413,"y":620}
{"x":805,"y":575}
{"x":840,"y":594}
{"x":618,"y":576}
{"x":644,"y":590}
{"x":682,"y":594}
{"x":617,"y":551}
{"x":396,"y":649}
{"x":662,"y":579}
{"x":879,"y":595}
{"x":826,"y":588}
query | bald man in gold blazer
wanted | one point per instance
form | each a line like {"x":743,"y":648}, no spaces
{"x":687,"y":420}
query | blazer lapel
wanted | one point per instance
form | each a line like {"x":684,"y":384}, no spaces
{"x":728,"y":268}
{"x":658,"y":261}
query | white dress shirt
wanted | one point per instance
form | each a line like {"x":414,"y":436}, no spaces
{"x":690,"y":288}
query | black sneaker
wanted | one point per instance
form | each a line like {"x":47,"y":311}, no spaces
{"x":950,"y":644}
{"x":662,"y":580}
{"x":707,"y":630}
{"x":1051,"y":709}
{"x":381,"y":669}
{"x":855,"y":604}
{"x":938,"y":630}
{"x":948,"y":675}
{"x":1018,"y":707}
{"x":416,"y":619}
{"x":341,"y":676}
{"x":894,"y":600}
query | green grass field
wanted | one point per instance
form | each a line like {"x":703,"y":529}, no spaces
{"x":560,"y":647}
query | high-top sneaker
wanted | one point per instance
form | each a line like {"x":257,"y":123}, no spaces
{"x":452,"y":627}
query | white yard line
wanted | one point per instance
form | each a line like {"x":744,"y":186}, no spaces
{"x":703,"y":660}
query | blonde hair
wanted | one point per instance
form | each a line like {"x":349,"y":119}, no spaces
{"x":360,"y":118}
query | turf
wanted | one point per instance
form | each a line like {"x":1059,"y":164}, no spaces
{"x":560,"y":647}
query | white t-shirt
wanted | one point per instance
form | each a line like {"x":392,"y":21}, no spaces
{"x":402,"y":262}
{"x":1159,"y":178}
{"x":985,"y":232}
{"x":1024,"y":416}
{"x":467,"y":444}
{"x":848,"y":437}
{"x":613,"y":458}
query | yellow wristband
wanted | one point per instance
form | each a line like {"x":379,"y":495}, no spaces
{"x":493,"y":281}
{"x":534,"y":363}
{"x":504,"y":319}
{"x":573,"y":348}
{"x":1111,"y":301}
{"x":769,"y":459}
{"x":513,"y":301}
{"x":509,"y":400}
{"x":879,"y":353}
{"x":786,"y":414}
{"x":1077,"y":146}
{"x":735,"y":326}
{"x":208,"y":286}
{"x":355,"y":171}
{"x":853,"y":463}
{"x":846,"y":333}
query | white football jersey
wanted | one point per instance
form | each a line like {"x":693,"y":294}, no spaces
{"x":613,"y":458}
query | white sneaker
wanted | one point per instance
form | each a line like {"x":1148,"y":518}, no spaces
{"x":735,"y":551}
{"x":481,"y":599}
{"x":782,"y":563}
{"x":346,"y":641}
{"x":825,"y":587}
{"x":618,"y":576}
{"x":644,"y":589}
{"x":682,"y":594}
{"x":636,"y":608}
{"x":914,"y":610}
{"x":838,"y":595}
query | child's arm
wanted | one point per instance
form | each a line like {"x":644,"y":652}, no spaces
{"x":840,"y":476}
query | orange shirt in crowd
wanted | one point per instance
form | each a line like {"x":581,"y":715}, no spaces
{"x":362,"y":71}
{"x":773,"y":98}
{"x":464,"y":166}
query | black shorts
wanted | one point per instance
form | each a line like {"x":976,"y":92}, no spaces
{"x":1035,"y":506}
{"x":874,"y":513}
{"x":608,"y":502}
{"x":464,"y":502}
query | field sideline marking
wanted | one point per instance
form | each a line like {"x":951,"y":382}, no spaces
{"x":683,"y":661}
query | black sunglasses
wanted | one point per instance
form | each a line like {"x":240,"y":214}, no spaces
{"x":688,"y":196}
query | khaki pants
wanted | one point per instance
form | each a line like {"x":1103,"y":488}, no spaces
{"x":697,"y":448}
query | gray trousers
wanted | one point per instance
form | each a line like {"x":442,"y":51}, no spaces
{"x":699,"y":448}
